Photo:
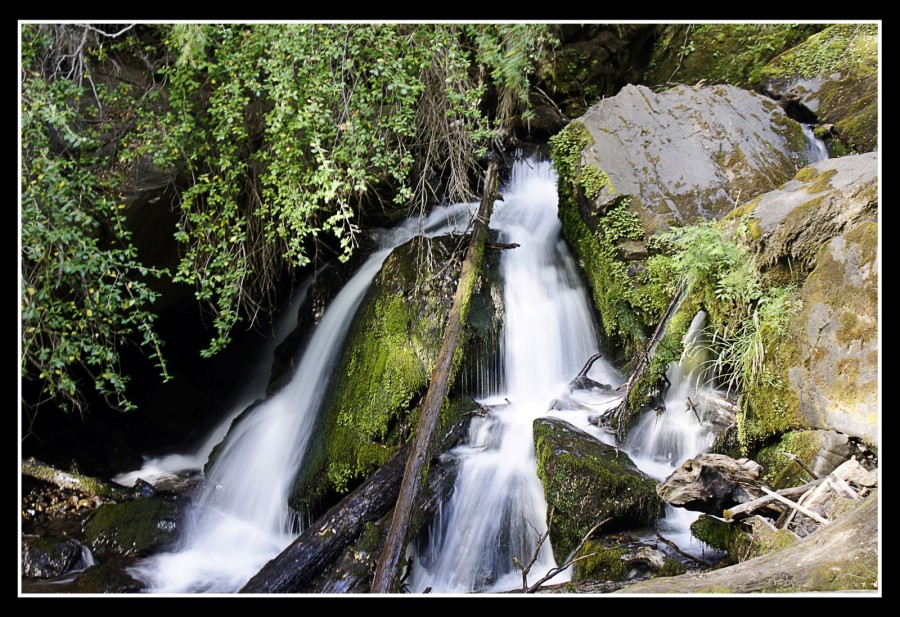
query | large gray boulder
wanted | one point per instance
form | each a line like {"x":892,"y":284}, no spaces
{"x":824,"y":222}
{"x":689,"y":152}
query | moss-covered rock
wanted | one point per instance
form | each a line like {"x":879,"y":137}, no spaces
{"x":370,"y":408}
{"x":720,"y":53}
{"x":823,"y":371}
{"x":742,"y":540}
{"x":640,"y":162}
{"x":133,"y":527}
{"x":107,"y":577}
{"x":587,"y":481}
{"x":821,"y":451}
{"x":46,"y":556}
{"x":833,"y":74}
{"x":604,"y":563}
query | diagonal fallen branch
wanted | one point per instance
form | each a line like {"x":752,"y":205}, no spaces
{"x":795,"y":506}
{"x":572,"y":559}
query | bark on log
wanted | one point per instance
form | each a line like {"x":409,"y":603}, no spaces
{"x":320,"y":545}
{"x":618,"y":416}
{"x":422,"y":446}
{"x":74,"y":481}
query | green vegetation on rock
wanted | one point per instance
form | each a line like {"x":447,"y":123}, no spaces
{"x":586,"y":481}
{"x":133,"y":527}
{"x":721,"y":53}
{"x":388,"y":358}
{"x":605,"y":565}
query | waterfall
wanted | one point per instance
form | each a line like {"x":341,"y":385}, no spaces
{"x":659,"y":444}
{"x":815,"y":148}
{"x":240,"y":519}
{"x":497,"y":509}
{"x":160,"y":469}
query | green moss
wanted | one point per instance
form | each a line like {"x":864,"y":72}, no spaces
{"x":132,"y":527}
{"x":372,"y":404}
{"x":587,"y":481}
{"x":721,"y":53}
{"x":806,"y":174}
{"x":591,"y":181}
{"x":822,"y":183}
{"x":721,"y":535}
{"x":782,"y":472}
{"x":370,"y":538}
{"x":670,"y":568}
{"x":842,"y":48}
{"x":604,"y":565}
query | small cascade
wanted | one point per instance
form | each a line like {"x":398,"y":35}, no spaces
{"x":816,"y":150}
{"x":170,"y":468}
{"x":659,"y":443}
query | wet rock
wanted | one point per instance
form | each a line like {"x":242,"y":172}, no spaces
{"x":107,"y":577}
{"x":587,"y":481}
{"x":133,"y":527}
{"x":47,"y":557}
{"x":711,"y":483}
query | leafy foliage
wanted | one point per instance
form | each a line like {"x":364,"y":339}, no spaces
{"x":281,"y":138}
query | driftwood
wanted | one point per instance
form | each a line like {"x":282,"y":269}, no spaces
{"x":297,"y":567}
{"x":712,"y":482}
{"x":74,"y":481}
{"x":800,"y":462}
{"x":423,"y":442}
{"x":748,"y":508}
{"x":500,"y":246}
{"x":795,"y":506}
{"x":617,"y":417}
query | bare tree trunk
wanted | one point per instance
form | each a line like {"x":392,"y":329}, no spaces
{"x":417,"y":463}
{"x":74,"y":481}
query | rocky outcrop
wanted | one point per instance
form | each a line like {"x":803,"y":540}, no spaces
{"x":711,"y":483}
{"x":824,"y":222}
{"x":593,"y":61}
{"x":47,"y":556}
{"x":820,"y":451}
{"x":133,"y":527}
{"x":642,"y":161}
{"x":587,"y":481}
{"x":833,"y":77}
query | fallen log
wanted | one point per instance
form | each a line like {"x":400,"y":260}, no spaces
{"x":618,"y":416}
{"x":319,"y":545}
{"x":500,"y":246}
{"x":386,"y":573}
{"x":74,"y":481}
{"x":796,"y":506}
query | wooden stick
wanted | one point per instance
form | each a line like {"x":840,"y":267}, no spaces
{"x":681,"y":552}
{"x":554,"y":571}
{"x":800,"y":462}
{"x":749,"y":507}
{"x":839,"y":483}
{"x":795,"y":506}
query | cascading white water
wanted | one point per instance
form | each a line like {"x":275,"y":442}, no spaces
{"x":160,"y":469}
{"x":816,"y":150}
{"x":497,"y":509}
{"x":241,"y":517}
{"x":659,"y":444}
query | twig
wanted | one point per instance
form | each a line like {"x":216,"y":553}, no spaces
{"x":797,"y":460}
{"x":587,"y":365}
{"x":795,"y":506}
{"x":675,"y":548}
{"x":554,"y":571}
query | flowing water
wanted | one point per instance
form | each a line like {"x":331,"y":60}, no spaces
{"x":240,"y":518}
{"x":497,"y":509}
{"x":816,"y":150}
